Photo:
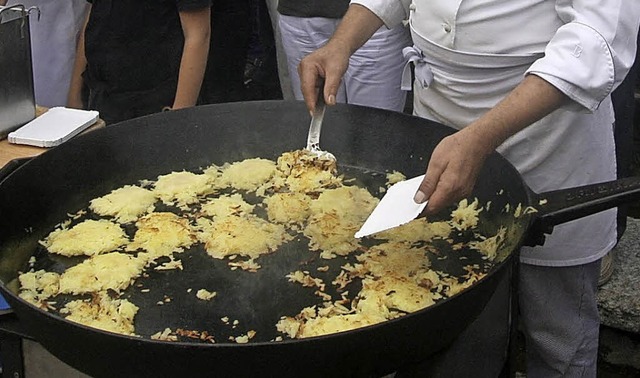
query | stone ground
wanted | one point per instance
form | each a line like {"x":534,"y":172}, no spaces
{"x":619,"y":299}
{"x":619,"y":303}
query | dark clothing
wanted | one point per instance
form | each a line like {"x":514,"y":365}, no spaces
{"x":624,"y":107}
{"x":118,"y":107}
{"x":261,"y":71}
{"x":230,"y":32}
{"x":133,"y":50}
{"x":313,"y":8}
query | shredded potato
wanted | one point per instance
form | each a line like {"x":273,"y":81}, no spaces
{"x":102,"y":312}
{"x":36,"y":287}
{"x":125,"y":204}
{"x":205,"y":295}
{"x":288,"y":208}
{"x":113,"y":271}
{"x":226,"y":205}
{"x":466,"y":215}
{"x":303,"y":172}
{"x":395,"y":177}
{"x":182,"y":188}
{"x":248,"y":174}
{"x":89,"y":238}
{"x":490,"y":246}
{"x":418,"y":230}
{"x":394,"y":258}
{"x":161,"y":234}
{"x":337,"y":215}
{"x":240,"y":235}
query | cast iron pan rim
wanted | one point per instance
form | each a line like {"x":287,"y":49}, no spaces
{"x":286,"y":341}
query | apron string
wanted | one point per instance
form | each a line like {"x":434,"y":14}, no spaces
{"x":423,"y":73}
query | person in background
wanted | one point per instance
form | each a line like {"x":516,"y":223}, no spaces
{"x":374,"y":72}
{"x":230,"y":32}
{"x":623,"y":99}
{"x":262,"y":75}
{"x":54,"y":37}
{"x":540,"y":95}
{"x":281,"y":57}
{"x":140,"y":57}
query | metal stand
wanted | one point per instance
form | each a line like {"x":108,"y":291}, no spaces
{"x":511,"y":367}
{"x":11,"y":335}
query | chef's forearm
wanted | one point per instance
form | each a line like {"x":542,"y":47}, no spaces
{"x":356,"y":27}
{"x":197,"y":30}
{"x":457,"y":160}
{"x":529,"y":102}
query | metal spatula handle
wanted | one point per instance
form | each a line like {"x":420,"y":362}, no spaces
{"x":313,"y":140}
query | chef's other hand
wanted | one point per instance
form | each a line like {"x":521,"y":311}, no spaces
{"x":452,"y":170}
{"x":457,"y":159}
{"x":327,"y":64}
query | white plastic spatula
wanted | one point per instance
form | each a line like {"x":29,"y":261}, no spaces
{"x":395,"y":208}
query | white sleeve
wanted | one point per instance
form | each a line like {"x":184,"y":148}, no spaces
{"x":391,"y":12}
{"x":592,"y":52}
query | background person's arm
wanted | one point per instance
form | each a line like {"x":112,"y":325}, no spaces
{"x":196,"y":27}
{"x":74,"y":97}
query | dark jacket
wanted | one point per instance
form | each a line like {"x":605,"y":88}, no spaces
{"x":313,"y":8}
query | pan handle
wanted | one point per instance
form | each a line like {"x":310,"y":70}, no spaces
{"x":561,"y":206}
{"x":11,"y":166}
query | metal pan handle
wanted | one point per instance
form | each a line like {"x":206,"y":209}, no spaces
{"x":561,"y":206}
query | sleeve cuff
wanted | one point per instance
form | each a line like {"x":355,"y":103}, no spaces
{"x":579,"y":63}
{"x":392,"y":13}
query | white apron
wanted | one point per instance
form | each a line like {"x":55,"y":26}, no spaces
{"x":53,"y":45}
{"x":565,"y":149}
{"x":373,"y":76}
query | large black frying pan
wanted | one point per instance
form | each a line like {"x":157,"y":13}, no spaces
{"x":41,"y":193}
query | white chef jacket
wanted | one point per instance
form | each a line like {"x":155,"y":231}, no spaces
{"x":477,"y":51}
{"x":53,"y":44}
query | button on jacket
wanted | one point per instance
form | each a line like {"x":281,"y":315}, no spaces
{"x":587,"y":43}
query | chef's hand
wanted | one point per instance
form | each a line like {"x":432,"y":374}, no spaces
{"x":326,"y":65}
{"x":453,"y":169}
{"x":330,"y":62}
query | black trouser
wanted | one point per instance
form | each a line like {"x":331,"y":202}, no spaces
{"x":230,"y":31}
{"x":624,"y":106}
{"x":116,"y":107}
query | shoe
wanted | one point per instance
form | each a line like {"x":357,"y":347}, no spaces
{"x":606,"y":268}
